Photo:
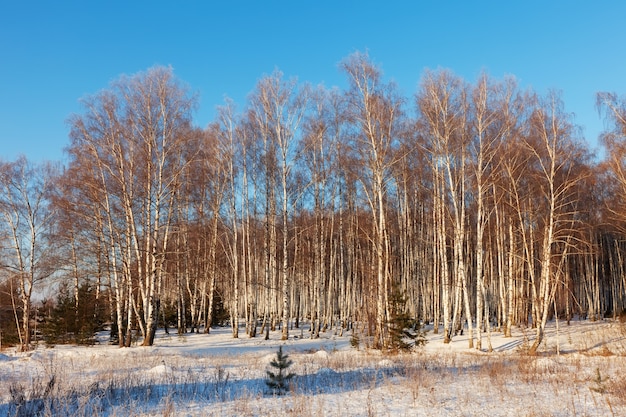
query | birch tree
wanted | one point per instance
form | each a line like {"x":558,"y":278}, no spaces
{"x":374,"y":109}
{"x":557,"y":159}
{"x":279,"y":107}
{"x":322,"y":130}
{"x":28,"y":222}
{"x":230,"y":138}
{"x":492,"y":121}
{"x":442,"y":102}
{"x":614,"y":139}
{"x":135,"y":133}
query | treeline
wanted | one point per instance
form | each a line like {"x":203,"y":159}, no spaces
{"x":477,"y":204}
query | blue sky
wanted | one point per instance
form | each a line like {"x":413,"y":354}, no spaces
{"x":52,"y":53}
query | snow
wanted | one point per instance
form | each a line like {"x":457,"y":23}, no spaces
{"x":578,"y":371}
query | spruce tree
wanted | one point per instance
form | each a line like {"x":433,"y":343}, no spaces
{"x":405,"y":332}
{"x":68,"y":324}
{"x":279,"y":382}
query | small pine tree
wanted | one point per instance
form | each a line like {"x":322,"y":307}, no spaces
{"x":405,"y":332}
{"x":355,"y":340}
{"x":279,"y":382}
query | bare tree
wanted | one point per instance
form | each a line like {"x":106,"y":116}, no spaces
{"x":443,"y":104}
{"x":230,"y":142}
{"x":492,"y":121}
{"x":28,"y":223}
{"x":375,"y":109}
{"x":556,"y":158}
{"x":319,"y":148}
{"x":279,"y":107}
{"x":135,"y":133}
{"x":291,"y":210}
{"x":614,"y":139}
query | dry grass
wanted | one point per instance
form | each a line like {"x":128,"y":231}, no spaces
{"x":617,"y":388}
{"x":586,"y":381}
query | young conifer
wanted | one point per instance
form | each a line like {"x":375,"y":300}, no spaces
{"x":405,"y":332}
{"x":278,"y":381}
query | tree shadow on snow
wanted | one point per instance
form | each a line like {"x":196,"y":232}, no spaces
{"x":102,"y":397}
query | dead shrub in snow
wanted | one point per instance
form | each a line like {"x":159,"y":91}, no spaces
{"x":497,"y":369}
{"x":527,"y":369}
{"x":31,"y":400}
{"x":419,"y":381}
{"x":300,"y":406}
{"x":243,"y":405}
{"x":617,"y":388}
{"x":340,"y":361}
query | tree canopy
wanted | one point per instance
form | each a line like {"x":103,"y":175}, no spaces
{"x":477,"y":201}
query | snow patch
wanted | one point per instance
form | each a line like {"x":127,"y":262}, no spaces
{"x":268,"y":358}
{"x":322,"y":355}
{"x":386,"y":363}
{"x":439,"y":381}
{"x":160,"y":370}
{"x":40,"y":356}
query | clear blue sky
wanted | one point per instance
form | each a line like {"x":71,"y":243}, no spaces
{"x":52,"y":53}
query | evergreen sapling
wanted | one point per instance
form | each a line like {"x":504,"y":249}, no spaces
{"x":405,"y":332}
{"x":278,"y":382}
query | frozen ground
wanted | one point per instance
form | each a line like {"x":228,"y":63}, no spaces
{"x":579,"y":373}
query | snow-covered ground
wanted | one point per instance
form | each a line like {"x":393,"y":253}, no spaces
{"x":579,"y":372}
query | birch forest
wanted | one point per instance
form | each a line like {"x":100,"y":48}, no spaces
{"x":479,"y":205}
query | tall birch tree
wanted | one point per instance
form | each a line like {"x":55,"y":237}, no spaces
{"x":27,"y":223}
{"x":375,"y":110}
{"x":279,"y":106}
{"x":556,"y":158}
{"x":135,"y":132}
